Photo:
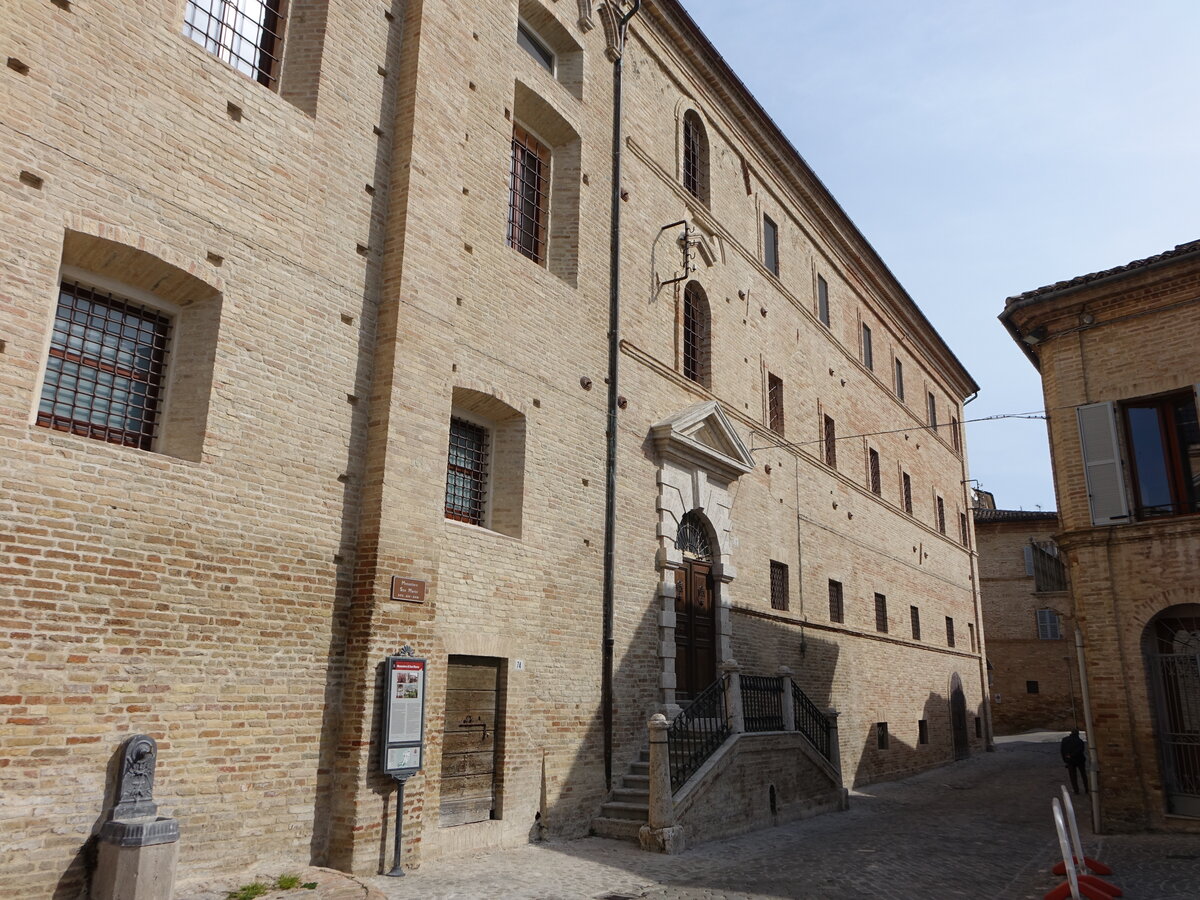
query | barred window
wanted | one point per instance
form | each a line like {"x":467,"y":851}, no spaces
{"x":837,"y":609}
{"x":963,"y":531}
{"x":941,"y":515}
{"x":881,"y":735}
{"x":907,"y":481}
{"x":695,"y":157}
{"x":914,"y":615}
{"x":868,"y":350}
{"x":775,"y":403}
{"x":830,"y":443}
{"x":931,"y":404}
{"x":105,"y":372}
{"x":696,"y":325}
{"x":899,"y":380}
{"x":949,"y":631}
{"x":247,"y":34}
{"x":779,"y":585}
{"x":466,"y":472}
{"x":873,"y":465}
{"x":881,"y":616}
{"x":529,"y":195}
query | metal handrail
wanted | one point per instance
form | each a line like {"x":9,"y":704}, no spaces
{"x":762,"y":702}
{"x":811,"y":721}
{"x":697,"y":733}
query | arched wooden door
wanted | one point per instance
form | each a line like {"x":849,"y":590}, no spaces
{"x":695,"y":611}
{"x":958,"y":718}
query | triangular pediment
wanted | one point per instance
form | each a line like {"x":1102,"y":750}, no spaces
{"x":702,"y":436}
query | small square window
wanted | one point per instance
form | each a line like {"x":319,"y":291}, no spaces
{"x":881,"y":616}
{"x":949,"y":631}
{"x":914,"y":615}
{"x":1031,"y":687}
{"x":923,"y":731}
{"x":779,"y":585}
{"x":770,"y":245}
{"x":868,"y":351}
{"x":535,"y":47}
{"x":881,"y":735}
{"x":775,"y":403}
{"x":823,"y":300}
{"x":837,"y":609}
{"x":830,"y":443}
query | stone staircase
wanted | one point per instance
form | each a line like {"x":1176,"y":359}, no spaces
{"x":627,"y":810}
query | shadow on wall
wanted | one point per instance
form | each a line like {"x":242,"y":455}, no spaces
{"x":885,"y":756}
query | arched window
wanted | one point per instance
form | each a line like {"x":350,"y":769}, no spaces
{"x":696,"y":322}
{"x":692,"y":538}
{"x":695,"y":157}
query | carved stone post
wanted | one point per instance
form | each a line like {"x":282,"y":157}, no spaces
{"x":789,"y":705}
{"x":835,"y":749}
{"x":660,"y":834}
{"x":733,"y":695}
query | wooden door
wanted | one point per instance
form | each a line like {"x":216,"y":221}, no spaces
{"x":469,"y":741}
{"x":695,"y":630}
{"x":958,"y":719}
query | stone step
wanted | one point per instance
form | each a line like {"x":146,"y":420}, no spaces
{"x":616,"y":809}
{"x":620,"y":829}
{"x":640,"y":782}
{"x":640,"y":768}
{"x":632,"y":795}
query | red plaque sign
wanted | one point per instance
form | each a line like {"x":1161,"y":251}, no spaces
{"x":408,"y":589}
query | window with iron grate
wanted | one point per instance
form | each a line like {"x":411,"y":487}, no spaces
{"x":779,"y":585}
{"x":837,"y":609}
{"x":696,"y":324}
{"x":466,"y":472}
{"x":941,"y":515}
{"x":907,"y":490}
{"x":830,"y":443}
{"x":775,"y":403}
{"x":881,"y":616}
{"x":949,"y":631}
{"x":914,"y":616}
{"x":247,"y":34}
{"x":529,"y":195}
{"x":695,"y":157}
{"x":873,"y":471}
{"x":899,"y":380}
{"x":868,"y":351}
{"x":881,"y":735}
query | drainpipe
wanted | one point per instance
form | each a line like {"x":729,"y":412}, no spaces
{"x":1093,"y":772}
{"x":610,"y":464}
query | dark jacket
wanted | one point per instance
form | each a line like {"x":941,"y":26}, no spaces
{"x":1073,"y":749}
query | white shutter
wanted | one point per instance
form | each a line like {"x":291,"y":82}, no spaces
{"x":1029,"y":559}
{"x":1102,"y":464}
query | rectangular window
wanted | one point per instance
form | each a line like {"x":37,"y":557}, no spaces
{"x":247,"y":34}
{"x":923,"y":731}
{"x":775,"y":403}
{"x":770,"y":245}
{"x":823,"y":300}
{"x":1031,"y":687}
{"x":941,"y":515}
{"x":535,"y":47}
{"x":1049,"y":625}
{"x":528,"y":195}
{"x":899,"y":379}
{"x":881,"y":735}
{"x":779,"y":585}
{"x":955,"y":434}
{"x":837,"y":610}
{"x":914,"y":615}
{"x":907,"y":492}
{"x":971,"y":634}
{"x":830,"y":443}
{"x":466,"y":472}
{"x":949,"y":631}
{"x":881,"y":617}
{"x":931,"y":403}
{"x":106,"y":368}
{"x":964,"y":534}
{"x":978,"y":727}
{"x":873,"y":471}
{"x":867,"y":350}
{"x":1164,"y":440}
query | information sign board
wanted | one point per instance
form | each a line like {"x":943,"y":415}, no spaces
{"x":403,"y":737}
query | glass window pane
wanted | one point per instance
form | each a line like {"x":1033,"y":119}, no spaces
{"x":1149,"y":460}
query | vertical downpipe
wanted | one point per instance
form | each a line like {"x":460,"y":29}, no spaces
{"x":610,"y":465}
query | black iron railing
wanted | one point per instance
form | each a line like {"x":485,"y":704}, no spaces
{"x":762,"y":703}
{"x":810,"y":721}
{"x":697,"y":732}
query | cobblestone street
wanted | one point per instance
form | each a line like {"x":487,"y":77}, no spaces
{"x":981,"y":828}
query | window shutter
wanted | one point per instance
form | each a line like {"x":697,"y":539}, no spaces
{"x":1102,"y":464}
{"x":1028,"y":559}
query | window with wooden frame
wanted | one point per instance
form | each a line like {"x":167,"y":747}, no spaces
{"x":775,"y":403}
{"x":105,"y":374}
{"x":247,"y":34}
{"x":873,"y":471}
{"x":1049,"y":625}
{"x":830,"y":435}
{"x":868,"y":352}
{"x":779,"y":585}
{"x":941,"y":515}
{"x":837,"y":606}
{"x":770,"y":245}
{"x":531,"y":42}
{"x":467,"y":472}
{"x":1164,"y":445}
{"x":529,"y":195}
{"x":906,"y":490}
{"x":823,"y":300}
{"x":914,"y":616}
{"x":695,"y":157}
{"x":949,"y":631}
{"x":696,"y":325}
{"x":881,"y":616}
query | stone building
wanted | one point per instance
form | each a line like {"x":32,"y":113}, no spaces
{"x":263,"y":266}
{"x":1117,"y":354}
{"x":1027,"y":619}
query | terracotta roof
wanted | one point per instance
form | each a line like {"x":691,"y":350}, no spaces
{"x":1015,"y":515}
{"x":1078,"y":281}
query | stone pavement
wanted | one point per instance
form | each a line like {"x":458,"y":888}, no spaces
{"x":980,"y":828}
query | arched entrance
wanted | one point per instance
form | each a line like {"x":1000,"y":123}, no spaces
{"x":958,"y":718}
{"x":1171,"y":643}
{"x":695,"y":610}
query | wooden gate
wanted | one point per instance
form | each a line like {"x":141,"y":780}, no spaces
{"x":468,"y":784}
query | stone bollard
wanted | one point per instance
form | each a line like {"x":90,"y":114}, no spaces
{"x":138,"y":847}
{"x":660,"y":834}
{"x":789,"y":705}
{"x":733,"y":695}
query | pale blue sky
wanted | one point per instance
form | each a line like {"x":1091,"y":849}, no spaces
{"x":984,"y":149}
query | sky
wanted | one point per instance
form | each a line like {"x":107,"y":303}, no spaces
{"x":986,"y":148}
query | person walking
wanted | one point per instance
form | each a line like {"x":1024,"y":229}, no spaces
{"x":1074,"y":755}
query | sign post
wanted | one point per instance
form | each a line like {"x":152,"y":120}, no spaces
{"x":403,"y":738}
